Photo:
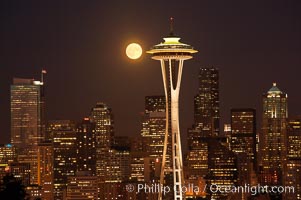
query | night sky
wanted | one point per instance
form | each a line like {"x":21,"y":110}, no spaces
{"x":82,"y":45}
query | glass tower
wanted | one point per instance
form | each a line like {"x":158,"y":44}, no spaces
{"x":206,"y":103}
{"x":274,"y":137}
{"x":27,"y":112}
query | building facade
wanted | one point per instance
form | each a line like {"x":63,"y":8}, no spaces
{"x":206,"y":102}
{"x":206,"y":123}
{"x":82,"y":186}
{"x":27,"y":112}
{"x":64,"y":152}
{"x":86,"y":146}
{"x":243,"y":142}
{"x":153,"y":133}
{"x":273,"y":140}
{"x":293,"y":164}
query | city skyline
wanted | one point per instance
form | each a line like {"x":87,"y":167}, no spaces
{"x":246,"y":41}
{"x":118,"y":162}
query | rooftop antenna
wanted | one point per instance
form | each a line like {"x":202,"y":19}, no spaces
{"x":42,"y":75}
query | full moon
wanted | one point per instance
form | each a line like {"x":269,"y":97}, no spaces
{"x":133,"y":51}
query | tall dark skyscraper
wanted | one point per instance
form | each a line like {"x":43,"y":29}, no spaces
{"x":273,"y":136}
{"x":205,"y":130}
{"x":243,"y":141}
{"x":27,"y":112}
{"x":206,"y":103}
{"x":209,"y":159}
{"x":64,"y":151}
{"x":153,"y":132}
{"x":206,"y":122}
{"x":86,"y":146}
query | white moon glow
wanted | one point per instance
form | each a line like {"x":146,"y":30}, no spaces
{"x":133,"y":51}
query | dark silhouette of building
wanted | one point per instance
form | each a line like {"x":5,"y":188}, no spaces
{"x":243,"y":142}
{"x":206,"y":103}
{"x":86,"y":146}
{"x":206,"y":123}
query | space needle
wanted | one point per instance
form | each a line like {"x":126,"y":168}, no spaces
{"x":171,"y":54}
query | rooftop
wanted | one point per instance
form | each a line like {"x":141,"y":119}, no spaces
{"x":274,"y":89}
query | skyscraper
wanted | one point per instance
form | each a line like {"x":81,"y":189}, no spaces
{"x":45,"y":166}
{"x":64,"y":150}
{"x":86,"y":146}
{"x":206,"y":123}
{"x":153,"y":132}
{"x":243,"y":141}
{"x":27,"y":112}
{"x":293,"y":165}
{"x":171,"y":54}
{"x":8,"y":155}
{"x":206,"y":102}
{"x":273,"y":137}
{"x":27,"y":121}
{"x":222,"y":167}
{"x":117,"y":169}
{"x":102,"y":116}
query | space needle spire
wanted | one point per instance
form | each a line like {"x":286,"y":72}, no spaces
{"x":171,"y":54}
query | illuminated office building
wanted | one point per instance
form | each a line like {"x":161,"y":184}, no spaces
{"x":139,"y":166}
{"x":27,"y":102}
{"x":243,"y":142}
{"x":197,"y":157}
{"x":53,"y":126}
{"x":27,"y":112}
{"x":8,"y":153}
{"x":153,"y":132}
{"x":45,"y":166}
{"x":102,"y":116}
{"x":206,"y":102}
{"x":138,"y":157}
{"x":34,"y":192}
{"x":21,"y":171}
{"x":82,"y":186}
{"x":86,"y":146}
{"x":64,"y":151}
{"x":29,"y":155}
{"x":222,"y":167}
{"x":117,"y":169}
{"x":273,"y":137}
{"x":293,"y":165}
{"x":118,"y":166}
{"x":206,"y":123}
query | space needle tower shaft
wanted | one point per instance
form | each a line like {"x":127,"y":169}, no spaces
{"x":171,"y":54}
